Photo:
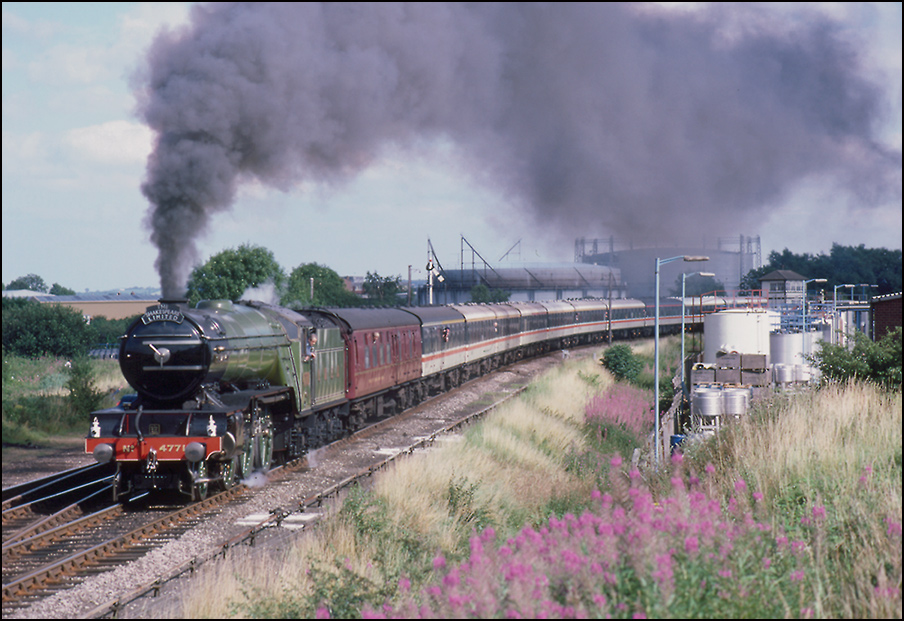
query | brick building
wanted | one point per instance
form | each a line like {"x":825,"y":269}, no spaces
{"x":885,"y":311}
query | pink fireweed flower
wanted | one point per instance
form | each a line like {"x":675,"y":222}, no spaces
{"x":894,"y":528}
{"x":766,"y":563}
{"x":819,"y":513}
{"x":616,"y":461}
{"x":439,"y":562}
{"x":740,"y":485}
{"x":677,"y":458}
{"x":323,"y":613}
{"x":691,"y":544}
{"x":758,"y":496}
{"x":797,"y":576}
{"x":710,"y":468}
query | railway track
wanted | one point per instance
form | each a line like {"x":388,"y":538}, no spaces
{"x":290,"y":501}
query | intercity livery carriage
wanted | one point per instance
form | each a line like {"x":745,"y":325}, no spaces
{"x":227,"y":388}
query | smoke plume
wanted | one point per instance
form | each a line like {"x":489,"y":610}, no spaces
{"x":589,"y":117}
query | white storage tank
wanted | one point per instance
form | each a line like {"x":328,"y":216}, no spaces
{"x":738,"y":330}
{"x":791,"y":348}
{"x":782,"y":373}
{"x":735,"y":401}
{"x":707,"y":402}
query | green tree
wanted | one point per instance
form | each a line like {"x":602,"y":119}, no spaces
{"x":33,"y":329}
{"x":878,"y":362}
{"x":329,"y":288}
{"x":31,"y":282}
{"x":843,"y":265}
{"x":58,"y":289}
{"x":482,"y":294}
{"x":228,"y":274}
{"x":103,"y":330}
{"x":382,"y":291}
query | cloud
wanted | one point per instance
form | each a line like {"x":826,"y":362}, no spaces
{"x":114,"y":142}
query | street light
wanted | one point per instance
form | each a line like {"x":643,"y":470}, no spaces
{"x":656,"y":345}
{"x":835,"y":295}
{"x":683,"y":289}
{"x":803,"y":317}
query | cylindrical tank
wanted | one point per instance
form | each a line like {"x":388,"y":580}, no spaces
{"x":707,"y":402}
{"x":782,"y":373}
{"x":741,"y":330}
{"x":735,"y":401}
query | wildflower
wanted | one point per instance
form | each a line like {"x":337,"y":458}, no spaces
{"x":894,"y":528}
{"x":740,"y":485}
{"x":323,"y":613}
{"x":766,"y":563}
{"x":439,"y":562}
{"x":797,"y":576}
{"x":691,"y":544}
{"x":404,"y":584}
{"x":806,"y":613}
{"x":819,"y":513}
{"x":677,"y":458}
{"x":710,"y":468}
{"x":616,"y":461}
{"x":758,"y":496}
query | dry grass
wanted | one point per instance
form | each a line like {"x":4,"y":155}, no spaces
{"x":502,"y":471}
{"x":837,"y":450}
{"x":834,"y":432}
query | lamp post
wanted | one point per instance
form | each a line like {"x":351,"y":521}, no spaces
{"x":683,"y":289}
{"x":803,"y":317}
{"x":656,"y":346}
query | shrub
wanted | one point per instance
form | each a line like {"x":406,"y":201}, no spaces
{"x":33,"y":329}
{"x":878,"y":362}
{"x":84,"y":397}
{"x":622,"y":363}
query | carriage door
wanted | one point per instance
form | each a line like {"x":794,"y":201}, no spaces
{"x":309,"y":368}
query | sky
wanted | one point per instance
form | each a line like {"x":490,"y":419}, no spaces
{"x":78,"y":113}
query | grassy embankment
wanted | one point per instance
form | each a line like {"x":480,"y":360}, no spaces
{"x":36,"y":411}
{"x":795,"y":511}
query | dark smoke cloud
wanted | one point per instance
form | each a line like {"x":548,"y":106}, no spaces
{"x":590,"y":117}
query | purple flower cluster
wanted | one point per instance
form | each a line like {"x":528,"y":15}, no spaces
{"x":622,"y":405}
{"x":620,"y":559}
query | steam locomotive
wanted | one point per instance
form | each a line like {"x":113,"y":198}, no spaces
{"x":227,"y":388}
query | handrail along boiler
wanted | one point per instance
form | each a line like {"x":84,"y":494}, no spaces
{"x":227,"y":388}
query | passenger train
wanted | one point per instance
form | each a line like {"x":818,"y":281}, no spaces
{"x":226,"y":388}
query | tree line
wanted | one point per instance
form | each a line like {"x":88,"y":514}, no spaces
{"x":843,"y":265}
{"x":32,"y":329}
{"x":230,"y":274}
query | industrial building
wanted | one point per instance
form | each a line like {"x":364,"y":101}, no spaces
{"x":730,"y":259}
